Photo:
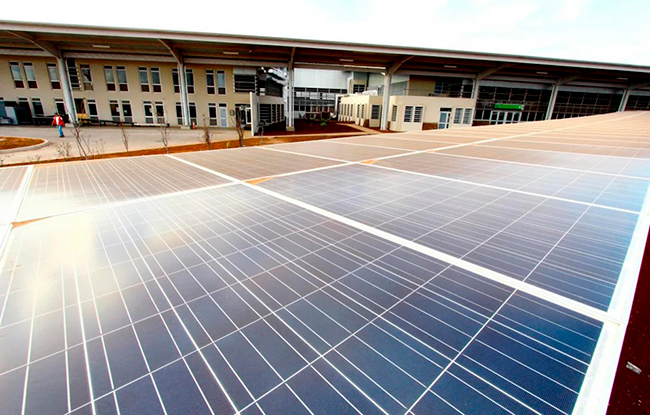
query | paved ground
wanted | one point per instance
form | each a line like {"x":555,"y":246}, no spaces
{"x":105,"y":139}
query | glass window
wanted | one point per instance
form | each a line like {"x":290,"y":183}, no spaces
{"x":16,"y":74}
{"x":86,"y":77}
{"x":189,"y":78}
{"x":408,"y":113}
{"x":221,"y":82}
{"x":193,"y":112}
{"x":92,"y":109}
{"x":209,"y":80}
{"x":37,"y":105}
{"x":144,"y":79}
{"x":115,"y":110}
{"x":467,"y":118}
{"x":394,"y":115}
{"x":177,"y":86}
{"x":375,"y":112}
{"x":121,"y":78}
{"x":245,"y":83}
{"x":126,"y":111}
{"x":179,"y":113}
{"x":53,"y":72}
{"x":155,"y":80}
{"x":110,"y":78}
{"x":417,"y":114}
{"x":159,"y":108}
{"x":30,"y":75}
{"x":458,"y":115}
{"x":212,"y":113}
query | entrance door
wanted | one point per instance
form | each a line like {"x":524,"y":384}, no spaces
{"x":223,"y":115}
{"x":444,"y":119}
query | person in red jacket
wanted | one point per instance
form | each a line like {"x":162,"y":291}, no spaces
{"x":58,"y":121}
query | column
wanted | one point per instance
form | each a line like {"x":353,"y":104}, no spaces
{"x":474,"y":97}
{"x":67,"y":90}
{"x":386,"y":101}
{"x":290,"y":100}
{"x":185,"y":105}
{"x":624,"y":98}
{"x":551,"y":102}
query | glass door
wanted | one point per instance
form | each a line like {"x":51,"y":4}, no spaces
{"x":223,"y":115}
{"x":444,"y":119}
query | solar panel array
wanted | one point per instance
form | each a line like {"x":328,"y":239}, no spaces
{"x":487,"y":270}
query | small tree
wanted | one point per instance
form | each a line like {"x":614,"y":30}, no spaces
{"x":240,"y":123}
{"x":64,"y":150}
{"x":82,"y":139}
{"x":206,"y":135}
{"x":125,"y":136}
{"x":165,"y":132}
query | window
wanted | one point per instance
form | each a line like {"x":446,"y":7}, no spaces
{"x":192,"y":112}
{"x":73,"y":74}
{"x":144,"y":79}
{"x":30,"y":75}
{"x":212,"y":113}
{"x":413,"y":114}
{"x":358,"y":88}
{"x":148,"y":112}
{"x":53,"y":72}
{"x":221,"y":82}
{"x":363,"y":111}
{"x":394,"y":115}
{"x":126,"y":111}
{"x":375,"y":112}
{"x":467,"y":118}
{"x":110,"y":78}
{"x":86,"y":77}
{"x":245,"y":83}
{"x":189,"y":78}
{"x":92,"y":109}
{"x":60,"y":106}
{"x":16,"y":74}
{"x":159,"y":108}
{"x":177,"y":86}
{"x":458,"y":115}
{"x":408,"y":113}
{"x":37,"y":105}
{"x":115,"y":110}
{"x":155,"y":80}
{"x":121,"y":78}
{"x":179,"y":113}
{"x":209,"y":80}
{"x":417,"y":114}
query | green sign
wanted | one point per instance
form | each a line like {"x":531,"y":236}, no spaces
{"x":508,"y":106}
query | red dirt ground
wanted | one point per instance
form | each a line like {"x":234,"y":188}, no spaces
{"x":7,"y":143}
{"x":631,"y":392}
{"x":310,"y":127}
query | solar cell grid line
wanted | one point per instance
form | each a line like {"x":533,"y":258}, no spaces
{"x":392,"y":143}
{"x":336,"y":151}
{"x":488,"y":174}
{"x":11,"y":182}
{"x":60,"y":188}
{"x":574,"y":148}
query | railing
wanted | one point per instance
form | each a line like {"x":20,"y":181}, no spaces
{"x":426,"y":93}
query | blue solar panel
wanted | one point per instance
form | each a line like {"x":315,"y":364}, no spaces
{"x":472,"y":288}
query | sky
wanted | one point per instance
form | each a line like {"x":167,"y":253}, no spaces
{"x":591,"y":30}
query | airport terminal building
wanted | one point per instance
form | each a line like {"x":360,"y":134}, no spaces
{"x":147,"y":77}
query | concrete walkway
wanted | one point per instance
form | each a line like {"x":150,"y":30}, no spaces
{"x":109,"y":140}
{"x":364,"y":129}
{"x":103,"y":139}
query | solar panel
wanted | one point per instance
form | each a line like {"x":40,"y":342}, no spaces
{"x":65,"y":187}
{"x":251,"y":163}
{"x":416,"y":283}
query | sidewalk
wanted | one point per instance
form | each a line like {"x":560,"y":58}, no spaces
{"x":104,"y":140}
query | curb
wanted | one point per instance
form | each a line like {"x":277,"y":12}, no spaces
{"x":20,"y":149}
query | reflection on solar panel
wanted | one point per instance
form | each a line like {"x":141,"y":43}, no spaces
{"x":367,"y":275}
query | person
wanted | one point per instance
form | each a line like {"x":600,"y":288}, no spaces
{"x":58,"y":121}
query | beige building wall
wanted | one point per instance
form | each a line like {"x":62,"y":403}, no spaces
{"x":421,"y":83}
{"x":134,"y":95}
{"x":431,"y":112}
{"x":357,"y":108}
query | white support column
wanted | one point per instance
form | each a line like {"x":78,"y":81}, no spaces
{"x":475,"y":87}
{"x":624,"y":98}
{"x":386,"y":100}
{"x":185,"y":105}
{"x":551,"y":102}
{"x":290,"y":99}
{"x":67,"y":90}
